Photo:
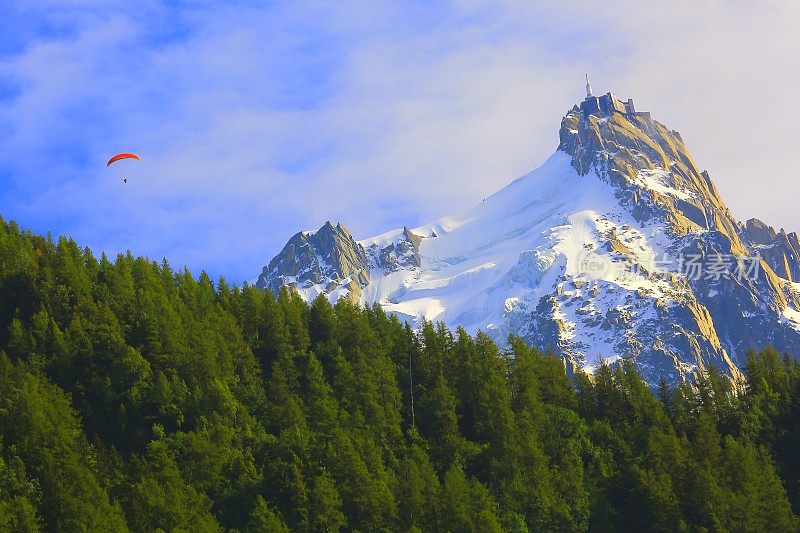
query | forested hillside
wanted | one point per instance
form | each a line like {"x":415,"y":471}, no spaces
{"x":136,"y":397}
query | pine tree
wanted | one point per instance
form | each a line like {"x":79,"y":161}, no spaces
{"x":326,"y":505}
{"x":263,"y":518}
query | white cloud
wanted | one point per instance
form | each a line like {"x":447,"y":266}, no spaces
{"x":254,"y":123}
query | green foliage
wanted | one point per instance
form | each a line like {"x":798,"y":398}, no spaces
{"x":135,"y":397}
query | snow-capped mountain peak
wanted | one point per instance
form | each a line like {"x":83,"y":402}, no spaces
{"x":588,"y":254}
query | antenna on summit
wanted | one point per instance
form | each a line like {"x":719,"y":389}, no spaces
{"x":588,"y":88}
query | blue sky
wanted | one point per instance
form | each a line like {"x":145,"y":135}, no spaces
{"x":258,"y":119}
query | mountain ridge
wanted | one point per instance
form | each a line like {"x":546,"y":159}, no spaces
{"x":587,"y":255}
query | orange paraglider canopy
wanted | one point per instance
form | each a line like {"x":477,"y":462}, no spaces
{"x":122,"y":156}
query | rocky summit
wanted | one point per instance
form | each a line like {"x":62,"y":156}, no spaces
{"x":618,"y":247}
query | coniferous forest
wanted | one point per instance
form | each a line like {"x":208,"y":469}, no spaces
{"x":138,"y":397}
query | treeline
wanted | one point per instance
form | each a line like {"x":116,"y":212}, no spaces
{"x":135,"y":397}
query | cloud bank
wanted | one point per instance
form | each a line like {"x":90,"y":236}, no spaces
{"x":256,"y":120}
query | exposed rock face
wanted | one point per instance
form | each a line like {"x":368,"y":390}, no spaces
{"x":627,"y":150}
{"x":401,"y":252}
{"x":618,"y":247}
{"x":732,"y":313}
{"x":780,"y":250}
{"x":328,"y":261}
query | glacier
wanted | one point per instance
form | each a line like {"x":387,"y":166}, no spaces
{"x":582,"y":256}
